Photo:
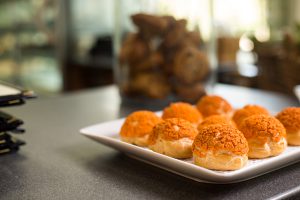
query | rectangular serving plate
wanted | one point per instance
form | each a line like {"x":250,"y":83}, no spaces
{"x":107,"y":133}
{"x":297,"y":91}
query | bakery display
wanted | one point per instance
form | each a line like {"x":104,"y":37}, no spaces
{"x":247,"y":111}
{"x":220,"y":147}
{"x":134,"y":50}
{"x":190,"y":65}
{"x":173,"y":137}
{"x":290,"y":118}
{"x":138,"y":126}
{"x":265,"y":134}
{"x":152,"y":25}
{"x":166,"y":52}
{"x":153,"y":84}
{"x":214,"y":105}
{"x":184,"y":111}
{"x":216,"y":119}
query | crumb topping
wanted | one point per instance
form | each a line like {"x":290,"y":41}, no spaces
{"x":220,"y":137}
{"x":182,"y":110}
{"x":173,"y":129}
{"x":290,"y":118}
{"x":139,"y":124}
{"x":263,"y":128}
{"x":213,"y":105}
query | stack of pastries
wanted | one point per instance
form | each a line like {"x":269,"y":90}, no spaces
{"x":215,"y":135}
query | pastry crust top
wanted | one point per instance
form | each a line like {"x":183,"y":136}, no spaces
{"x":173,"y":129}
{"x":290,"y":118}
{"x":263,"y":128}
{"x":139,"y":124}
{"x":220,"y":137}
{"x":182,"y":110}
{"x":213,"y":105}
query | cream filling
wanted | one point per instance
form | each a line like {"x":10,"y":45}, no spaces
{"x":293,"y":138}
{"x":181,"y":148}
{"x":220,"y":160}
{"x":258,"y":150}
{"x":139,"y":141}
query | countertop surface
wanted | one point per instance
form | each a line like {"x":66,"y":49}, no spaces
{"x":59,"y":163}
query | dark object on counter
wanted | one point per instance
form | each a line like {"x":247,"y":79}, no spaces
{"x":12,"y":96}
{"x":13,"y":102}
{"x":10,"y":123}
{"x":9,"y":144}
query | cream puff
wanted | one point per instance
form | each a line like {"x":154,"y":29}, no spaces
{"x":290,"y":118}
{"x":265,"y":134}
{"x":184,"y":111}
{"x":220,"y":147}
{"x":173,"y":137}
{"x":138,"y":126}
{"x":248,"y":111}
{"x":216,"y":119}
{"x":214,"y":105}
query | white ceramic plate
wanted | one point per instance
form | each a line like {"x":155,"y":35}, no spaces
{"x":297,"y":91}
{"x":107,"y":134}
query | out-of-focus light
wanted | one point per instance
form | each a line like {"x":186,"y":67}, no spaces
{"x":262,"y":34}
{"x":245,"y":62}
{"x":248,"y":70}
{"x":196,"y":12}
{"x":246,"y":44}
{"x":239,"y":16}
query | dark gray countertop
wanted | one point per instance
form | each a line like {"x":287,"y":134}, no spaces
{"x":59,"y":163}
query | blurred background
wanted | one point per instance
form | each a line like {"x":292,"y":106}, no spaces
{"x":54,"y":46}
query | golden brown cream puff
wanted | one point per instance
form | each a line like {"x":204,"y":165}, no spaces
{"x":216,"y":119}
{"x":290,"y":118}
{"x":138,"y":126}
{"x":184,"y":111}
{"x":220,"y":147}
{"x":265,"y":134}
{"x":173,"y":137}
{"x":214,"y":105}
{"x":248,"y":111}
